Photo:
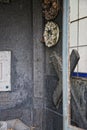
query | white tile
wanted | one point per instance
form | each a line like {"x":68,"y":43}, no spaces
{"x":73,"y":34}
{"x":83,"y":32}
{"x":82,"y":8}
{"x":73,"y":10}
{"x":70,"y":50}
{"x":83,"y":59}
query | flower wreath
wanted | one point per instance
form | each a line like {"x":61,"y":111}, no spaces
{"x":50,"y":9}
{"x":51,"y":34}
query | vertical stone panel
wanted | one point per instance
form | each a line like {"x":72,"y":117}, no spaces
{"x":38,"y":49}
{"x":38,"y":65}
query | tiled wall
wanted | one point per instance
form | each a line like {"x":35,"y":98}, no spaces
{"x":78,"y":31}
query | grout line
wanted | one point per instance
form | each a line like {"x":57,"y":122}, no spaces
{"x":78,"y":19}
{"x":78,"y":46}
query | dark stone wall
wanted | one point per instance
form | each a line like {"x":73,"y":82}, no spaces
{"x":46,"y":116}
{"x":54,"y":117}
{"x":16,"y":36}
{"x":33,"y":77}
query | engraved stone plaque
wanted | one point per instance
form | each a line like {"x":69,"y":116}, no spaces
{"x":5,"y":70}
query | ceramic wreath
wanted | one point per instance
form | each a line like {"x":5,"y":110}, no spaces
{"x":51,"y":34}
{"x":50,"y":9}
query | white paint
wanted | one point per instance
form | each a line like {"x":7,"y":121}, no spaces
{"x":5,"y":70}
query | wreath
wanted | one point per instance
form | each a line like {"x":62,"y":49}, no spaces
{"x":51,"y":34}
{"x":50,"y":9}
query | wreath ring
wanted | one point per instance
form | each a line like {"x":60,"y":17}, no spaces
{"x":51,"y":34}
{"x":50,"y":9}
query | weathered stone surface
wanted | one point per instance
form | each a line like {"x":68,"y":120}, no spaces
{"x":57,"y":63}
{"x":18,"y":21}
{"x":74,"y":58}
{"x":16,"y":36}
{"x":3,"y":125}
{"x":78,"y":89}
{"x":53,"y":117}
{"x":38,"y":50}
{"x":17,"y":125}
